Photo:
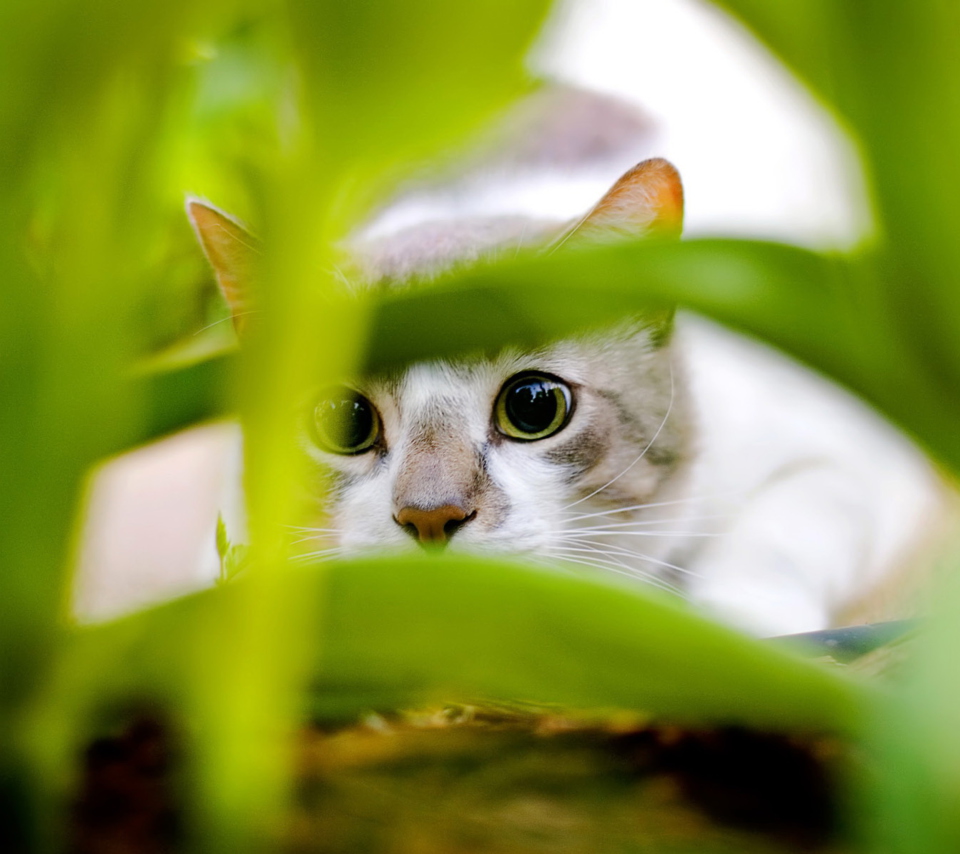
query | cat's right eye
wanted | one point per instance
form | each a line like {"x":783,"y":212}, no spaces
{"x":532,"y":406}
{"x":345,"y":422}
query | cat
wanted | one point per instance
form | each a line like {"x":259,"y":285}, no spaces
{"x":664,"y":449}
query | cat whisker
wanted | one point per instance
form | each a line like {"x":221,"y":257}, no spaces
{"x":328,"y":549}
{"x":642,"y":453}
{"x":586,"y":535}
{"x":339,"y":275}
{"x":681,"y":569}
{"x":610,"y":564}
{"x":611,"y":548}
{"x":645,"y":506}
{"x":310,"y":528}
{"x":625,"y":552}
{"x":306,"y":539}
{"x":308,"y":533}
{"x":320,"y":554}
{"x":224,"y":320}
{"x":312,"y":534}
{"x":639,"y":523}
{"x":521,"y":239}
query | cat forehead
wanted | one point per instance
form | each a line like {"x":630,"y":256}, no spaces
{"x":429,"y":248}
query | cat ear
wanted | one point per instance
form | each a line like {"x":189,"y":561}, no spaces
{"x":646,"y":200}
{"x":232,"y":252}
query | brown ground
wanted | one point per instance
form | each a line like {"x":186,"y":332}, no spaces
{"x":491,"y":782}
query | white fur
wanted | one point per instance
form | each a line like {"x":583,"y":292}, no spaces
{"x":822,"y":499}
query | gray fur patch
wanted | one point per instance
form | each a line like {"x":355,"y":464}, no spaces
{"x":581,"y":453}
{"x":633,"y":430}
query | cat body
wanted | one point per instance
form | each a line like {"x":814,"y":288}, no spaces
{"x":810,"y":500}
{"x":686,"y":457}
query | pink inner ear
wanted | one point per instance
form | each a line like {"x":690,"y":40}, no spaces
{"x":232,"y":253}
{"x":646,"y":200}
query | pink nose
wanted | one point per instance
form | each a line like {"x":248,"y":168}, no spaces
{"x":435,"y":525}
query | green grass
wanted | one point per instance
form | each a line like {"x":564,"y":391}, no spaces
{"x":298,"y":116}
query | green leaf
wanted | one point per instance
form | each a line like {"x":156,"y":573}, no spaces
{"x":223,"y":544}
{"x":818,"y":308}
{"x":179,"y":398}
{"x":234,"y":559}
{"x":821,"y":309}
{"x":892,"y":72}
{"x":422,"y":628}
{"x":390,"y":81}
{"x":810,"y":36}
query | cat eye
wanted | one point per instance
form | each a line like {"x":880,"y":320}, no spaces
{"x":533,"y":406}
{"x":345,"y":422}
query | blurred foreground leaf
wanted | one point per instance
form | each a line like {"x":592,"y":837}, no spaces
{"x":405,"y":630}
{"x":819,"y":308}
{"x":891,"y":72}
{"x":813,"y":306}
{"x":390,"y":81}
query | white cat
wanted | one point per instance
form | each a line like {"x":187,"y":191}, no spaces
{"x":685,"y":457}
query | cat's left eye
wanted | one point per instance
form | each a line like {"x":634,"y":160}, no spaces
{"x":345,"y":422}
{"x":533,"y":406}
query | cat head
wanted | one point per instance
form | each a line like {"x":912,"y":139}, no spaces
{"x":509,"y":453}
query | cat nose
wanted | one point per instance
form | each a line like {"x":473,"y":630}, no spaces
{"x":434,"y":525}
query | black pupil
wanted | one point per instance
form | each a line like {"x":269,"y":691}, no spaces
{"x":346,"y":420}
{"x":531,"y":405}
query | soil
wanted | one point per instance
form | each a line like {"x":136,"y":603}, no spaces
{"x":468,"y":780}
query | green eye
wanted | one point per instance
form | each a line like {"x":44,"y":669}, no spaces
{"x":345,"y":422}
{"x":532,"y":406}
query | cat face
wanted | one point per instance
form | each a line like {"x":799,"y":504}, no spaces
{"x":518,"y":453}
{"x":497,"y":454}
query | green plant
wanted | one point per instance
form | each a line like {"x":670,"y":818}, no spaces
{"x":305,"y":113}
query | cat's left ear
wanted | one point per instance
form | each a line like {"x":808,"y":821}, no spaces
{"x":232,"y":252}
{"x":647,"y":200}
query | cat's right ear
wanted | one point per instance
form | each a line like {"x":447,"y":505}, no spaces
{"x":646,"y":200}
{"x":232,"y":252}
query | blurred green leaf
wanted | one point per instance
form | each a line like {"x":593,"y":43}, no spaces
{"x":481,"y":627}
{"x":892,"y":72}
{"x":223,"y":543}
{"x":402,"y":631}
{"x":390,"y":81}
{"x":80,"y":126}
{"x":179,"y":398}
{"x":535,"y":297}
{"x":357,"y":75}
{"x":86,"y":96}
{"x":818,"y":308}
{"x":915,"y":739}
{"x":810,"y":36}
{"x":426,"y":628}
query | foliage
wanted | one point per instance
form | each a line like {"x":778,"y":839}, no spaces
{"x":297,"y":116}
